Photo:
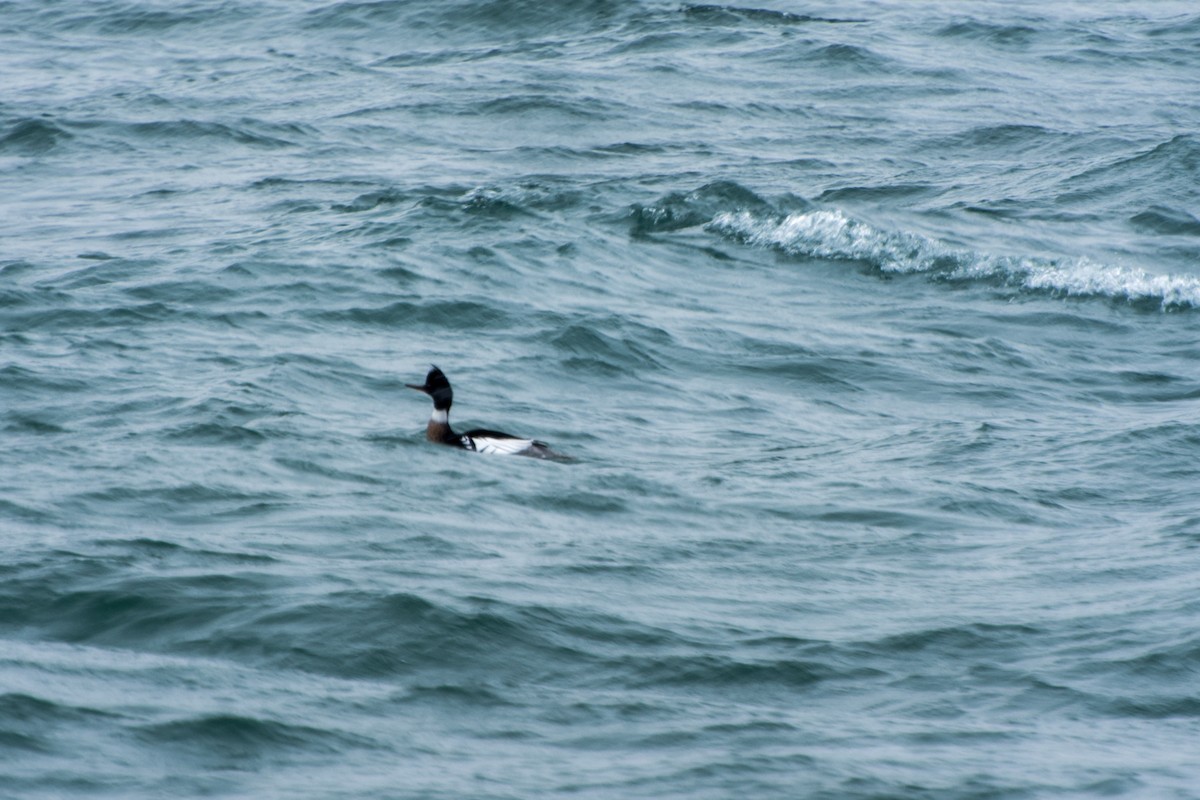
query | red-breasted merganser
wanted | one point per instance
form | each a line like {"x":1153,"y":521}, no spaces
{"x":478,"y":440}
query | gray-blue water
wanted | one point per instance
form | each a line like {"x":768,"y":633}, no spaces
{"x":872,"y":329}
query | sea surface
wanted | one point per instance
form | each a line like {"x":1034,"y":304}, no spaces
{"x":871,"y":331}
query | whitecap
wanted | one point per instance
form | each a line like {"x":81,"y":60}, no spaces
{"x":831,"y":234}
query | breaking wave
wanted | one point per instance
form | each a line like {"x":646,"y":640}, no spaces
{"x":831,"y":234}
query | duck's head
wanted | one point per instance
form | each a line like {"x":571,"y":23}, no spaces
{"x":437,"y":387}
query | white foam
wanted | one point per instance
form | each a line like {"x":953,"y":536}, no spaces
{"x":830,"y":234}
{"x":1083,"y":277}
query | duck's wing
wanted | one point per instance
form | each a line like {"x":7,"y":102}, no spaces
{"x":505,"y":444}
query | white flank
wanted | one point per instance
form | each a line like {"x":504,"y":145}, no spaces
{"x":502,"y":447}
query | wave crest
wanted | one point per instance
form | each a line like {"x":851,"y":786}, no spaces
{"x":831,"y":234}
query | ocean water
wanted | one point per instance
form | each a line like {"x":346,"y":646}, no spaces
{"x":872,"y":330}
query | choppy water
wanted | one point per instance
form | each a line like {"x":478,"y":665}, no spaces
{"x":873,"y":330}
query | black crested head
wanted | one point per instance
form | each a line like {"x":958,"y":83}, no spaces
{"x":437,"y":387}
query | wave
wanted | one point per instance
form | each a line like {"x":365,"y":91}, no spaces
{"x":994,"y":34}
{"x":477,"y":20}
{"x":714,"y":14}
{"x":1166,"y":221}
{"x":806,"y":229}
{"x":680,"y":210}
{"x":28,"y":723}
{"x":246,"y":131}
{"x":1168,"y":169}
{"x":131,"y":19}
{"x":831,"y":234}
{"x":33,"y":137}
{"x":29,"y":137}
{"x":232,"y":739}
{"x":460,"y":314}
{"x":589,"y":348}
